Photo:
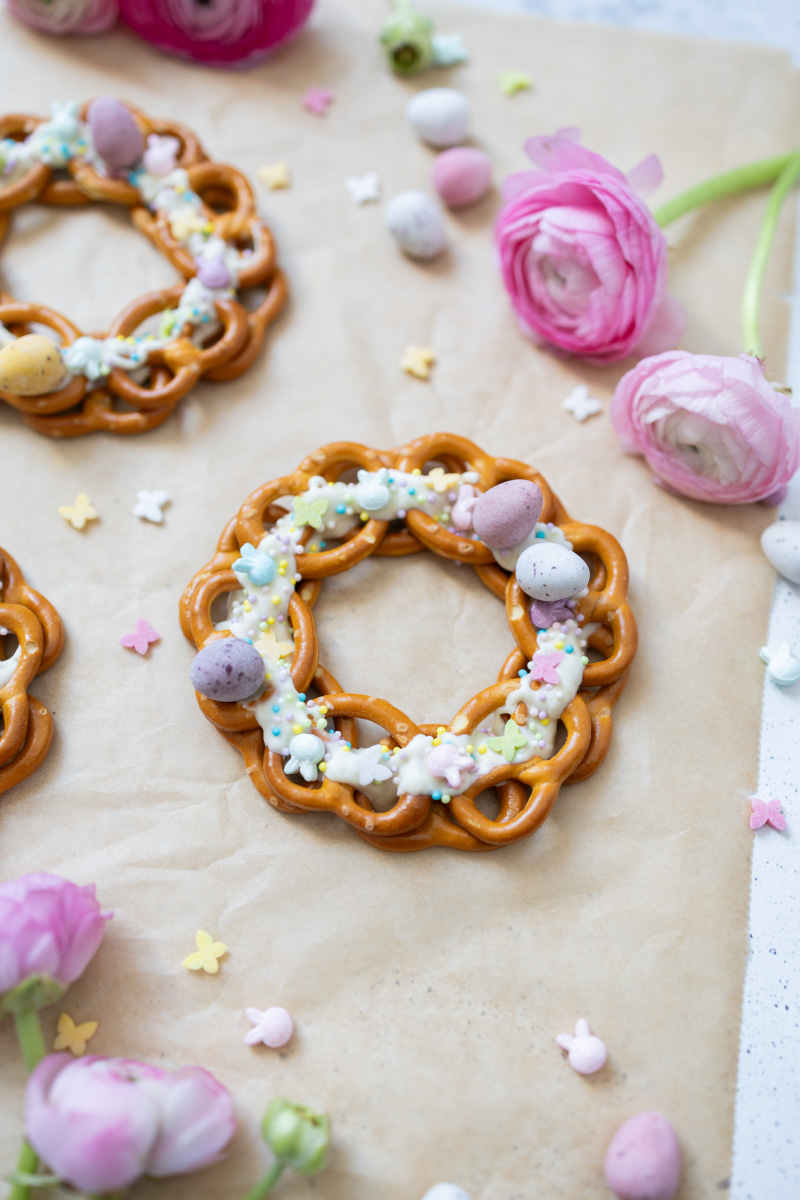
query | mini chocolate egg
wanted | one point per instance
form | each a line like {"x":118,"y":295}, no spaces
{"x":462,"y":175}
{"x":505,"y":515}
{"x":446,"y":1191}
{"x":31,"y":365}
{"x":227,"y":669}
{"x":416,"y":224}
{"x":643,"y":1161}
{"x":550,"y":572}
{"x":440,"y":116}
{"x":781,"y":544}
{"x":116,"y":136}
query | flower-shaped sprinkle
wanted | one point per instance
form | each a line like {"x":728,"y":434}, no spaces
{"x":148,"y":506}
{"x":364,"y":189}
{"x":370,"y":768}
{"x":310,"y":512}
{"x":79,"y":513}
{"x":256,"y":565}
{"x":767,"y":812}
{"x":206,"y":957}
{"x":417,"y":361}
{"x":141,"y":640}
{"x":512,"y":82}
{"x":73,"y":1037}
{"x":275,"y":176}
{"x":317,"y":100}
{"x":543,"y":666}
{"x":513,"y":739}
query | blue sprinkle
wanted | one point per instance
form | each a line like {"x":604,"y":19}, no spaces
{"x":340,"y":508}
{"x":349,"y":745}
{"x":276,"y":708}
{"x":301,"y":695}
{"x":541,"y":631}
{"x":540,"y":533}
{"x":412,"y":491}
{"x":569,"y":649}
{"x":436,"y":795}
{"x":522,"y":673}
{"x":322,"y":545}
{"x":249,"y":641}
{"x":276,"y":733}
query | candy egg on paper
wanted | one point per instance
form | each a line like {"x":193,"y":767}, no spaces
{"x":440,"y":116}
{"x":781,"y":544}
{"x":462,"y":175}
{"x":446,"y":1191}
{"x":227,"y":669}
{"x":507,"y":513}
{"x":551,"y":572}
{"x":643,"y":1161}
{"x":31,"y":365}
{"x":416,"y":224}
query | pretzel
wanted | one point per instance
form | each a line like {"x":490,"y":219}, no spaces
{"x":217,"y":341}
{"x":27,"y":725}
{"x":526,"y":782}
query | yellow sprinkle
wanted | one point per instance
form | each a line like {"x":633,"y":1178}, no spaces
{"x":469,"y":749}
{"x":322,"y":767}
{"x":276,"y":599}
{"x":437,"y":741}
{"x":441,"y":729}
{"x":73,"y":1037}
{"x":559,"y":645}
{"x":313,"y":547}
{"x":247,"y":607}
{"x":297,"y":729}
{"x":270,"y":621}
{"x":275,"y":176}
{"x":418,"y":360}
{"x":481,"y":749}
{"x":364,"y":516}
{"x":417,"y":471}
{"x":268,"y":675}
{"x":545,"y":720}
{"x":281,"y":570}
{"x":323,"y":708}
{"x":283,"y":563}
{"x":206,"y":957}
{"x":346,"y":749}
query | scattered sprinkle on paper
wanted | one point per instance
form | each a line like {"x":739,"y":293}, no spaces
{"x":363,"y":189}
{"x":275,"y":176}
{"x":767,"y":812}
{"x":73,"y":1037}
{"x":581,"y":404}
{"x":148,"y":506}
{"x":141,"y":640}
{"x":418,"y":360}
{"x":512,"y":82}
{"x":448,"y":49}
{"x":207,"y":955}
{"x":79,"y":513}
{"x":317,"y":100}
{"x":273,"y":1027}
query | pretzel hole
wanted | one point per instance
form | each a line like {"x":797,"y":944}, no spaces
{"x":218,"y":197}
{"x":8,"y":645}
{"x":488,"y":804}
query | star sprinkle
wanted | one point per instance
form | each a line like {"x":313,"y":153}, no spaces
{"x":269,"y":647}
{"x":317,"y":100}
{"x":767,"y":812}
{"x":275,"y":176}
{"x":73,"y":1037}
{"x":581,"y":404}
{"x":370,"y":769}
{"x":418,"y":360}
{"x":207,"y":955}
{"x":363,"y":189}
{"x":148,"y":506}
{"x":511,"y":741}
{"x":512,"y":82}
{"x":256,"y":565}
{"x":543,"y":666}
{"x":448,"y":49}
{"x":310,"y":512}
{"x":79,"y":513}
{"x":141,"y":640}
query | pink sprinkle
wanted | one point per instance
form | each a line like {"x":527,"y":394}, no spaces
{"x":543,"y":666}
{"x":140,"y":640}
{"x":767,"y":812}
{"x":317,"y":100}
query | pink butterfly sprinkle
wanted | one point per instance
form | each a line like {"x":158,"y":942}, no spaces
{"x":544,"y":666}
{"x":767,"y":812}
{"x":141,"y":639}
{"x":317,"y":100}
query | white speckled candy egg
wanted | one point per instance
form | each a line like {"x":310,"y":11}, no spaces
{"x":440,"y":116}
{"x":446,"y":1191}
{"x":551,"y":572}
{"x":781,"y":544}
{"x":416,"y":224}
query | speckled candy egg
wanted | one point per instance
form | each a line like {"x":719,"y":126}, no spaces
{"x":440,"y":116}
{"x":416,"y":224}
{"x":505,"y":515}
{"x":551,"y":572}
{"x":462,"y":175}
{"x":227,"y":669}
{"x":643,"y":1161}
{"x":116,"y":136}
{"x":31,"y":365}
{"x":781,"y":544}
{"x":446,"y":1191}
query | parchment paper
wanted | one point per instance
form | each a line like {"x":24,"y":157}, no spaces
{"x":427,"y":989}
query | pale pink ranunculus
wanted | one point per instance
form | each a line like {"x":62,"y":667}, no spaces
{"x":711,"y":428}
{"x":50,"y":929}
{"x":220,"y":32}
{"x":66,"y":16}
{"x":101,"y":1123}
{"x":582,"y":258}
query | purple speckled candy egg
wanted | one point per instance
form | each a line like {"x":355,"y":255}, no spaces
{"x":505,"y":515}
{"x":227,"y":669}
{"x":462,"y":175}
{"x":212,"y":272}
{"x":116,"y":136}
{"x":547,"y":571}
{"x":643,"y":1161}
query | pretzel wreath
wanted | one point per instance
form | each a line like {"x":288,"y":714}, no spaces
{"x":27,"y":725}
{"x":123,"y":400}
{"x":527,"y":791}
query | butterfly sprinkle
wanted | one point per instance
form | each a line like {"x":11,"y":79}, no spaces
{"x":141,"y":640}
{"x":207,"y":955}
{"x":74,"y":1037}
{"x":80,"y":513}
{"x":767,"y":812}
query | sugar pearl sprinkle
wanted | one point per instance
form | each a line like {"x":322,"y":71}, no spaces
{"x":442,"y":766}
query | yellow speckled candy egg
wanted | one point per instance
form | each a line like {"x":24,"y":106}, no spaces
{"x":31,"y":366}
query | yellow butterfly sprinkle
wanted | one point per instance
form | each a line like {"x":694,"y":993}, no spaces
{"x":418,"y":360}
{"x":73,"y":1037}
{"x":80,"y":512}
{"x":206,"y":957}
{"x":270,"y":647}
{"x":275,"y":176}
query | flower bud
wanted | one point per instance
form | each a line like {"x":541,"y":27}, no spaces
{"x":297,"y":1136}
{"x":406,"y":40}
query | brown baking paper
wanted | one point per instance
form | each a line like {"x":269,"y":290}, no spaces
{"x":428,"y":988}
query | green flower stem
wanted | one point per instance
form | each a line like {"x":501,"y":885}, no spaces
{"x":29,"y":1033}
{"x":755,"y":276}
{"x":26,"y":1165}
{"x":265,"y":1185}
{"x":753,"y":175}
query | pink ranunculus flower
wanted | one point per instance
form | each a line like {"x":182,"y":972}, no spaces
{"x":49,"y":931}
{"x":220,"y":32}
{"x":66,"y":16}
{"x":582,"y":258}
{"x":710,"y":428}
{"x":101,"y":1123}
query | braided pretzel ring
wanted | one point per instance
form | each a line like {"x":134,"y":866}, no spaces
{"x":527,"y":791}
{"x":78,"y":408}
{"x":27,"y":725}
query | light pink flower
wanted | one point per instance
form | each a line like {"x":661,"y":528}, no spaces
{"x":582,"y":258}
{"x":100,"y":1123}
{"x":49,"y":931}
{"x":710,"y":428}
{"x":221,"y":32}
{"x":66,"y":16}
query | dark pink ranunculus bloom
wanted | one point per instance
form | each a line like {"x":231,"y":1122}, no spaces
{"x":710,"y":427}
{"x":582,"y":258}
{"x":221,"y":32}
